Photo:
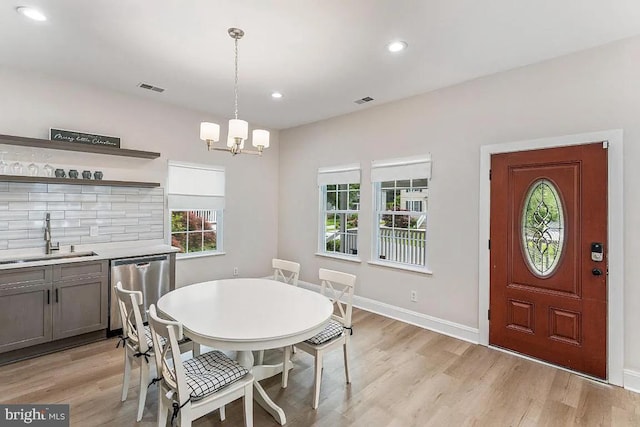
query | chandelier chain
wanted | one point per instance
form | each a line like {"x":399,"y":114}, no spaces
{"x":236,"y":81}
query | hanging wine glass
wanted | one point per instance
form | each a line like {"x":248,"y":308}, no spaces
{"x":4,"y":166}
{"x":16,"y":167}
{"x":48,"y":169}
{"x":33,"y":168}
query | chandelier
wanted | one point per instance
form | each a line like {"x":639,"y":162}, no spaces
{"x":238,"y":129}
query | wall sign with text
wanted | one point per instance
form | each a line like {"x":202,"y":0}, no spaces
{"x":83,"y":138}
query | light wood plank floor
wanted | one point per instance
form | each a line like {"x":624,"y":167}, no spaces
{"x":401,"y":376}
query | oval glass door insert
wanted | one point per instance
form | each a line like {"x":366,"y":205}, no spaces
{"x":543,"y":228}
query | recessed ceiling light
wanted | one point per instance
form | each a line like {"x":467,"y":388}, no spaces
{"x":397,"y":46}
{"x":31,"y":13}
{"x":276,"y":95}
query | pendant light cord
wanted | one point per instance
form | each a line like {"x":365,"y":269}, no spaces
{"x":235,"y":90}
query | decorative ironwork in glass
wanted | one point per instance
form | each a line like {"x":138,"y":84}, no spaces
{"x":543,"y":227}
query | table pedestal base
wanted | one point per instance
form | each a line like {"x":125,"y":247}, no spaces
{"x":261,"y":372}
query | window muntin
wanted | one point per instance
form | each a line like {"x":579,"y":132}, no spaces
{"x":195,"y":231}
{"x":339,"y":218}
{"x":543,"y":228}
{"x":401,"y":221}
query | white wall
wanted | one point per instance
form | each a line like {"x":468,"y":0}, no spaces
{"x":588,"y":91}
{"x":31,"y":103}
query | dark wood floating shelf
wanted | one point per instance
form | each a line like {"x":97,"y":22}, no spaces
{"x":71,"y":146}
{"x":78,"y":181}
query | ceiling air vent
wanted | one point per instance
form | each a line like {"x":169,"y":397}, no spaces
{"x":363,"y":100}
{"x":150,"y":87}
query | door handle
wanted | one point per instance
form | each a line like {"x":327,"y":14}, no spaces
{"x":56,"y":294}
{"x":596,"y":272}
{"x":48,"y":296}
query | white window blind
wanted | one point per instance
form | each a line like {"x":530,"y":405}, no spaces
{"x":417,"y":167}
{"x":191,"y":186}
{"x":346,"y":174}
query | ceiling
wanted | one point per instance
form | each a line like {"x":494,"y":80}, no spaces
{"x":322,"y":55}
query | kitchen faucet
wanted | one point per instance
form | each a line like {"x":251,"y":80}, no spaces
{"x":47,"y":236}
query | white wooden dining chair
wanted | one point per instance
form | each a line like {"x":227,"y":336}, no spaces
{"x":338,"y":287}
{"x":137,"y":342}
{"x":197,"y":386}
{"x":286,"y":272}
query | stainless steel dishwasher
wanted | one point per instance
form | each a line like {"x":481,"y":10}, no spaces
{"x":149,"y":274}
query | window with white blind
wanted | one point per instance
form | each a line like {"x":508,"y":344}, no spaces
{"x":195,"y":197}
{"x":401,"y":197}
{"x":339,"y":209}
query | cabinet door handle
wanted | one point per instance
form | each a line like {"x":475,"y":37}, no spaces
{"x":48,"y":296}
{"x":56,"y":294}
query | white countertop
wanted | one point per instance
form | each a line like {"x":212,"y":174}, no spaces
{"x":102,"y":251}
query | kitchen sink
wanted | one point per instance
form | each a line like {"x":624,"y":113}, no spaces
{"x":47,"y":257}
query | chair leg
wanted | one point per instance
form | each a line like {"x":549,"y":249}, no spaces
{"x":185,"y":416}
{"x":162,"y":409}
{"x":127,"y":373}
{"x":144,"y":382}
{"x":260,"y":357}
{"x":318,"y":379}
{"x":346,"y":362}
{"x":248,"y":405}
{"x":223,"y":413}
{"x":286,"y":365}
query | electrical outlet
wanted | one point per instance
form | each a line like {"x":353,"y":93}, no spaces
{"x":414,"y":296}
{"x":93,"y":231}
{"x":235,"y":271}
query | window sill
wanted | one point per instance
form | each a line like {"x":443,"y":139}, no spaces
{"x":198,"y":255}
{"x":340,"y":257}
{"x":422,"y":270}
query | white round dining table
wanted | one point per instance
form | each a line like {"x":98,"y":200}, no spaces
{"x":246,"y":315}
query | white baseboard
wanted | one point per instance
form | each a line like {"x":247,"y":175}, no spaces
{"x":632,"y":380}
{"x":435,"y":324}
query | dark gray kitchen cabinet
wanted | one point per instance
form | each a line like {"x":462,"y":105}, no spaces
{"x":41,"y":304}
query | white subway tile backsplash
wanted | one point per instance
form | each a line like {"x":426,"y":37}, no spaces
{"x":110,"y":214}
{"x":96,"y":206}
{"x":121,"y":214}
{"x":109,"y":198}
{"x":97,"y":239}
{"x":125,"y":237}
{"x":46,"y":197}
{"x":27,"y":206}
{"x":76,"y":232}
{"x":64,"y":206}
{"x":15,"y":234}
{"x":64,"y":188}
{"x":14,"y":215}
{"x":14,"y":197}
{"x":125,"y":190}
{"x":124,"y":221}
{"x":95,"y":221}
{"x":27,"y":187}
{"x":25,"y":243}
{"x":65,"y":223}
{"x":80,"y":197}
{"x":80,"y":214}
{"x":96,"y":189}
{"x":26,"y":225}
{"x":42,"y":214}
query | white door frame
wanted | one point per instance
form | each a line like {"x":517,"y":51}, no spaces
{"x":615,"y":327}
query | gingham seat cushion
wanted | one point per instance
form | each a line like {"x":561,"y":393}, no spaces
{"x":332,"y":330}
{"x":147,"y":336}
{"x":210,"y":372}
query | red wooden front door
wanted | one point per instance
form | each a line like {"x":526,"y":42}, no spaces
{"x":548,"y":291}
